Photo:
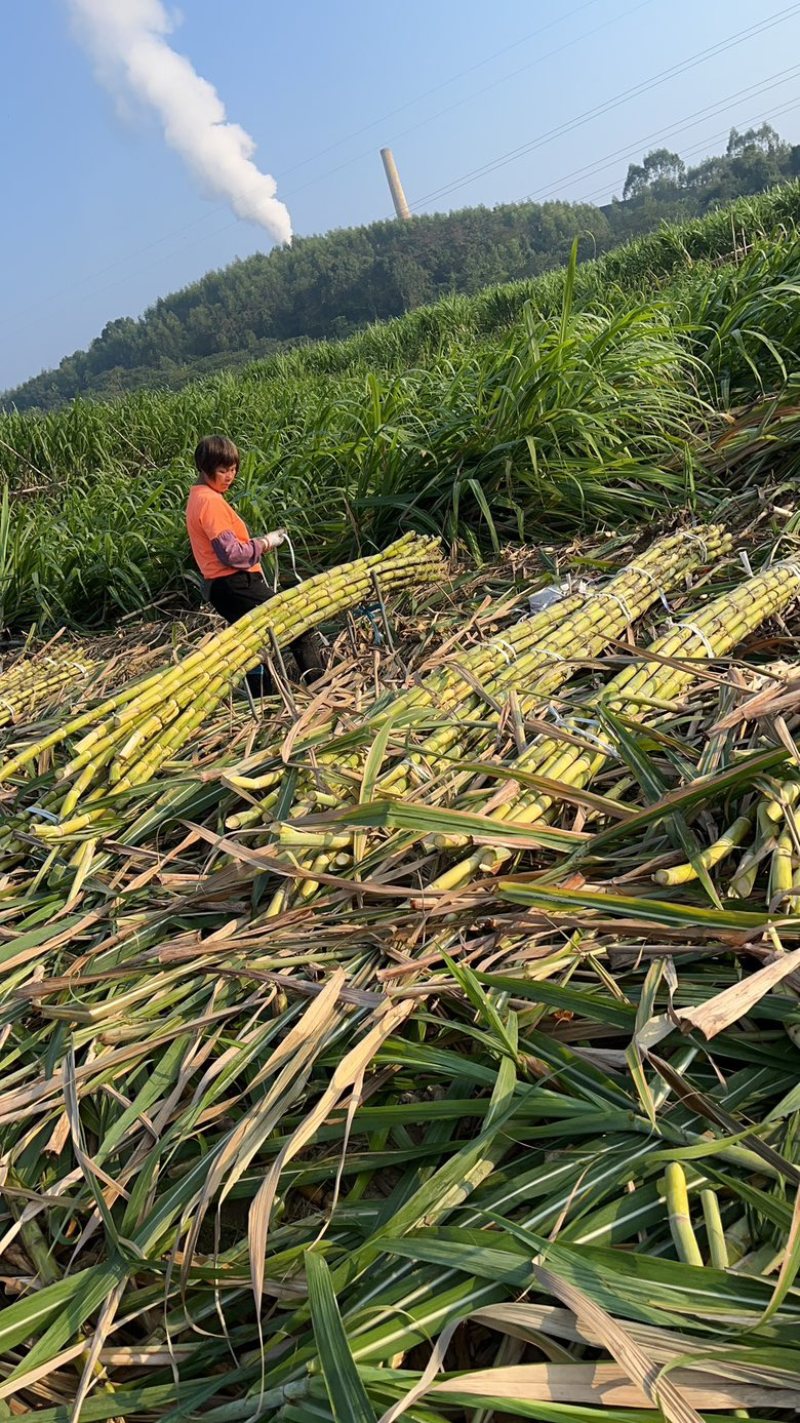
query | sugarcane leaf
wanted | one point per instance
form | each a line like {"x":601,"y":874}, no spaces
{"x":85,"y":1294}
{"x":657,"y":911}
{"x":471,"y":985}
{"x":348,"y":1397}
{"x":483,"y":503}
{"x":430,"y":820}
{"x":654,"y":787}
{"x":559,"y":790}
{"x":705,"y":788}
{"x":633,"y":1053}
{"x":713,"y":1112}
{"x":583,"y":1001}
{"x":372,"y":767}
{"x":789,"y":1265}
{"x":598,"y":1326}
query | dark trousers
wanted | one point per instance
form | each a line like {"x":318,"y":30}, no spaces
{"x":238,"y":594}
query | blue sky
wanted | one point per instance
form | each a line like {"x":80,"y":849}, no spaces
{"x":101,"y":218}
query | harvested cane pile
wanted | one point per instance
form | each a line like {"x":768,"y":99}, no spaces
{"x":428,"y":1045}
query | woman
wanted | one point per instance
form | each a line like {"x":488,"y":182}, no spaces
{"x":229,"y":559}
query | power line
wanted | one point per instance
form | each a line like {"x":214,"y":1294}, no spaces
{"x":221,"y":207}
{"x":691,"y":120}
{"x":473,"y":95}
{"x":445,"y":84}
{"x":694,"y":60}
{"x":72,"y":291}
{"x":773,"y":81}
{"x":614,"y":102}
{"x":786,"y":108}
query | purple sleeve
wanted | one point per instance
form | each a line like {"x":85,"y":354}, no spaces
{"x":234,"y":553}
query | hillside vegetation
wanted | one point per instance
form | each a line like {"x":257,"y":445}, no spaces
{"x":327,"y":287}
{"x":585,"y":398}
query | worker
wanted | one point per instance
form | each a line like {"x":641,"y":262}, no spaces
{"x":229,"y":559}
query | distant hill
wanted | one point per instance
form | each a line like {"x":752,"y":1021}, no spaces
{"x":328,"y":287}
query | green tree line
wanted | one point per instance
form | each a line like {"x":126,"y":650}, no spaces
{"x":328,"y":287}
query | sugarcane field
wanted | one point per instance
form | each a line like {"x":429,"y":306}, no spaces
{"x":420,"y":1039}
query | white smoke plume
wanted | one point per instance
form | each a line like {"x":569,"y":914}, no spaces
{"x":126,"y":39}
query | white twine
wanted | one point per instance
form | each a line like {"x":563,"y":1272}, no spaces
{"x":579,"y":721}
{"x":508,"y":651}
{"x":698,"y":539}
{"x":290,"y":546}
{"x":551,"y":653}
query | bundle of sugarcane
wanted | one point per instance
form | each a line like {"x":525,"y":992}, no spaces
{"x":578,"y":634}
{"x":468,"y":695}
{"x":576,"y":629}
{"x":459,"y":689}
{"x":32,"y":682}
{"x":643,"y":690}
{"x":132,"y":734}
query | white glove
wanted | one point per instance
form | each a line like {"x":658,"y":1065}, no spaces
{"x":274,"y":539}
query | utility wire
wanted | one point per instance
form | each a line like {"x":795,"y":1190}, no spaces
{"x":773,"y":81}
{"x":655,"y":81}
{"x":691,"y":62}
{"x":437,"y":88}
{"x":474,"y":94}
{"x":786,"y":108}
{"x":221,"y":207}
{"x":591,"y":170}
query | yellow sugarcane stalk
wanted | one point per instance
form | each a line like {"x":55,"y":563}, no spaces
{"x":713,"y":855}
{"x":680,"y":1220}
{"x":713,"y":632}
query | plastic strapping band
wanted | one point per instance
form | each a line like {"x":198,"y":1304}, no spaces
{"x":645,"y":572}
{"x":288,"y":541}
{"x":698,"y":539}
{"x":623,"y":606}
{"x":745,"y":562}
{"x":45,"y":814}
{"x":290,"y":547}
{"x":698,"y":632}
{"x":585,"y":723}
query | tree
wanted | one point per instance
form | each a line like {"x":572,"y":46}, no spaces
{"x":765,"y":139}
{"x":659,"y":167}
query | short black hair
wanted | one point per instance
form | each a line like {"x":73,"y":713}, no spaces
{"x":215,"y":452}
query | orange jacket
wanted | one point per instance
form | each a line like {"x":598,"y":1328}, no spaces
{"x":220,"y":542}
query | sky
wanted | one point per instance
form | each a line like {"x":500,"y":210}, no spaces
{"x":481,"y":103}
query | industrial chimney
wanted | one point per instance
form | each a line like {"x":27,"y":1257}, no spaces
{"x":395,"y":186}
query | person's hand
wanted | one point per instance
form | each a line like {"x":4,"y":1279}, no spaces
{"x":276,"y":538}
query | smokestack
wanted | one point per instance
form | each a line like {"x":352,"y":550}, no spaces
{"x":395,"y":186}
